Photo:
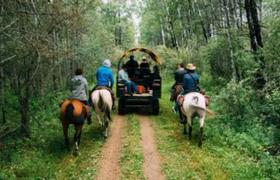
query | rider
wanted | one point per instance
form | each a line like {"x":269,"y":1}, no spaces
{"x":179,"y":77}
{"x":190,"y":82}
{"x":105,"y":78}
{"x":79,"y":89}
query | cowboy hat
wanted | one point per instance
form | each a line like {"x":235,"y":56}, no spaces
{"x":190,"y":66}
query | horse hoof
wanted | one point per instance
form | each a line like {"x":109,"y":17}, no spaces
{"x":76,"y":153}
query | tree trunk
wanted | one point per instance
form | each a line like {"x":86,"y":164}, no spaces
{"x":24,"y":105}
{"x":229,"y":39}
{"x":256,"y":41}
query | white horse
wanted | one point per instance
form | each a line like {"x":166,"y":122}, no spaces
{"x":102,"y":103}
{"x":194,"y":104}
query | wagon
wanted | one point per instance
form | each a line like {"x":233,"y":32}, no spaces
{"x":148,"y":101}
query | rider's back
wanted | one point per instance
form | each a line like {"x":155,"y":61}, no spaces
{"x":79,"y":88}
{"x":104,"y":76}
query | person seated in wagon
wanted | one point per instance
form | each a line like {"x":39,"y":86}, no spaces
{"x":124,"y":78}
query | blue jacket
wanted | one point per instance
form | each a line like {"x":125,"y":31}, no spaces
{"x":190,"y":82}
{"x":105,"y":77}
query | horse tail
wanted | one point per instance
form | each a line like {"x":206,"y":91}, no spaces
{"x":69,"y":112}
{"x":101,"y":103}
{"x":104,"y":107}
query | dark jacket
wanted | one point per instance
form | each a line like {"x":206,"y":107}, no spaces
{"x":131,"y":66}
{"x":190,"y":83}
{"x":179,"y":76}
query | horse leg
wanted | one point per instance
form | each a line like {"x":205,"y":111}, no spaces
{"x":79,"y":137}
{"x":76,"y":139}
{"x":201,"y":137}
{"x":185,"y":129}
{"x":189,"y":119}
{"x":201,"y":124}
{"x":65,"y":132}
{"x":106,"y":127}
{"x":99,"y":120}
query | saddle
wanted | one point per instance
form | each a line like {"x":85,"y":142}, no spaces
{"x":103,"y":87}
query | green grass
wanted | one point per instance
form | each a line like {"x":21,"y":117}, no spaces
{"x":225,"y":154}
{"x":132,"y":157}
{"x":44,"y":155}
{"x":217,"y":159}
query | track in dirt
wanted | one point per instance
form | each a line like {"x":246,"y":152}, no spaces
{"x":109,"y":166}
{"x":151,"y":164}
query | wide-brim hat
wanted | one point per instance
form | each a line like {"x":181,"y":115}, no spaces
{"x":190,"y":66}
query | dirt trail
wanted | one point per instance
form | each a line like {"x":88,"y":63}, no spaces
{"x":109,"y":166}
{"x":151,"y":164}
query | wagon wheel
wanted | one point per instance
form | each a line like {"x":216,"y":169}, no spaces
{"x":155,"y":107}
{"x":121,"y":107}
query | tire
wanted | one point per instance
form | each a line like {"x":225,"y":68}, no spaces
{"x":155,"y":107}
{"x":121,"y":107}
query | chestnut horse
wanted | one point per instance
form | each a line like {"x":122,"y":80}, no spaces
{"x":178,"y":88}
{"x":73,"y":112}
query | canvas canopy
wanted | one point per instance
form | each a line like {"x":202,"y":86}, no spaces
{"x":154,"y":57}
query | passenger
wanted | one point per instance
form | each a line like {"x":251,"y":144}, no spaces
{"x":123,"y":77}
{"x":155,"y":74}
{"x":144,"y":67}
{"x":132,"y":66}
{"x":145,"y":72}
{"x":79,"y":89}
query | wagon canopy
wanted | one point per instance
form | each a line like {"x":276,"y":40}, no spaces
{"x":154,"y":57}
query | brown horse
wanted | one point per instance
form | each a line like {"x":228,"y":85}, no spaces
{"x":73,"y":112}
{"x":178,"y":88}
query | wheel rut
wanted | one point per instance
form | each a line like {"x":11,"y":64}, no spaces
{"x":151,"y":166}
{"x":109,"y":168}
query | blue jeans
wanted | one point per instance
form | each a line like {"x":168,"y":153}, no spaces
{"x":131,"y":87}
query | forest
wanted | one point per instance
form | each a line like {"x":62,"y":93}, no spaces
{"x":233,"y":43}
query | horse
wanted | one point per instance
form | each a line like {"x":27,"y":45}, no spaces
{"x":178,"y":88}
{"x":73,"y":112}
{"x":194,"y":103}
{"x":102,"y":103}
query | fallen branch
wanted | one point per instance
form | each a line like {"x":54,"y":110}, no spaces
{"x":9,"y":132}
{"x":7,"y":59}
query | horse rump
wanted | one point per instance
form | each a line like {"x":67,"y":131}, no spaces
{"x":72,"y":117}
